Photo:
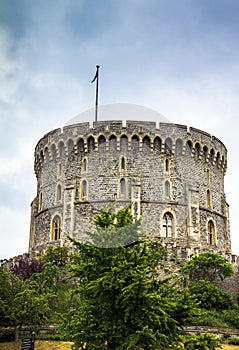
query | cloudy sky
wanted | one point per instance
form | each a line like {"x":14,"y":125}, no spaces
{"x":179,"y":57}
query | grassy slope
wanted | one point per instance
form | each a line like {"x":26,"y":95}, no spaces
{"x":57,"y":345}
{"x":39,"y":345}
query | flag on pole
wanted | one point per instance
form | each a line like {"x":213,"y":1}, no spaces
{"x":96,"y":74}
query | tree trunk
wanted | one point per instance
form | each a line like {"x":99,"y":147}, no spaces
{"x":16,"y":334}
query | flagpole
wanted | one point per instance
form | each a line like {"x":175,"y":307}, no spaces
{"x":97,"y":90}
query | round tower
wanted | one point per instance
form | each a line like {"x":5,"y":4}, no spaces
{"x":172,"y":178}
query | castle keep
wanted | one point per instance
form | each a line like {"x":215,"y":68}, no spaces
{"x":171,"y":176}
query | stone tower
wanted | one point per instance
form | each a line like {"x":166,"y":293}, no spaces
{"x":171,"y":176}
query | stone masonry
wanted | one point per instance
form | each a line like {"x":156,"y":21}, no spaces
{"x":171,"y":176}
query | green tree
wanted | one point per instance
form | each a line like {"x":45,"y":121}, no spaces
{"x":21,"y":301}
{"x":208,"y":266}
{"x":125,"y":303}
{"x":211,"y":297}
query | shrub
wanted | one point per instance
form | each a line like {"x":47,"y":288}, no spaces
{"x":231,"y":317}
{"x":201,"y":342}
{"x":7,"y":335}
{"x":233,"y":341}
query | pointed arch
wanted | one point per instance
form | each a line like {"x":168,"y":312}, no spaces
{"x":146,"y":144}
{"x":56,"y":228}
{"x":70,"y":146}
{"x":178,"y":147}
{"x":80,"y":147}
{"x":211,"y":234}
{"x":168,"y":146}
{"x":124,"y":143}
{"x":135,"y":144}
{"x":157,"y":145}
{"x":122,"y":187}
{"x":197,"y":150}
{"x":167,"y":225}
{"x":53,"y":152}
{"x":112,"y":143}
{"x":189,"y":147}
{"x":61,"y":149}
{"x":91,"y":143}
{"x":101,"y":143}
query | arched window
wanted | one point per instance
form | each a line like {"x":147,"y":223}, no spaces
{"x":146,"y":144}
{"x":135,"y":144}
{"x":124,"y":143}
{"x":84,"y":189}
{"x":56,"y":228}
{"x":122,"y":163}
{"x":53,"y":151}
{"x":91,"y":143}
{"x":157,"y":145}
{"x":189,"y":147}
{"x":178,"y":147}
{"x":218,"y":160}
{"x":101,"y":143}
{"x":58,"y":193}
{"x":61,"y":149}
{"x":167,"y":189}
{"x":70,"y":146}
{"x":205,"y":153}
{"x":212,"y":155}
{"x":80,"y":148}
{"x":167,"y":225}
{"x":168,"y":146}
{"x":209,"y":204}
{"x":84,"y":164}
{"x":197,"y":150}
{"x":211,"y":233}
{"x":122,"y":187}
{"x":46,"y":152}
{"x":112,"y":143}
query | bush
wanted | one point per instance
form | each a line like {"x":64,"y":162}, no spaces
{"x":211,"y":297}
{"x":231,"y":317}
{"x":201,"y":342}
{"x":7,"y":335}
{"x":209,"y":318}
{"x":233,"y":341}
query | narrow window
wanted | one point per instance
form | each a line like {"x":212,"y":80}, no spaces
{"x":211,"y":233}
{"x":209,"y":199}
{"x":167,"y":225}
{"x":84,"y":188}
{"x":167,"y":165}
{"x":58,"y":193}
{"x":59,"y":170}
{"x":40,"y":202}
{"x":84,"y":165}
{"x":122,"y":163}
{"x":122,"y":187}
{"x":56,"y":228}
{"x":167,"y":189}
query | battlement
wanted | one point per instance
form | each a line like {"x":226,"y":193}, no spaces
{"x":171,"y":137}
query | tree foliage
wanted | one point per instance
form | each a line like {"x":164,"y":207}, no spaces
{"x":208,"y":266}
{"x":211,"y":297}
{"x":21,"y":301}
{"x":125,"y":303}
